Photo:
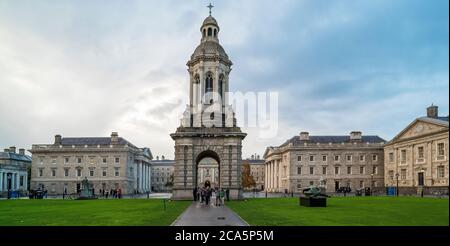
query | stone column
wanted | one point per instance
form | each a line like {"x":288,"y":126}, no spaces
{"x":17,"y":181}
{"x":140,"y":176}
{"x":146,"y":176}
{"x":278,"y":176}
{"x":273,"y":176}
{"x":1,"y":181}
{"x":265,"y":178}
{"x":270,"y":176}
{"x":25,"y":182}
{"x":12,"y":181}
{"x":143,"y":176}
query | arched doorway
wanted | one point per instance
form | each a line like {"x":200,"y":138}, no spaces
{"x":207,"y":170}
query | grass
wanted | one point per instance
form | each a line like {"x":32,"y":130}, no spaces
{"x":345,"y":211}
{"x":123,"y":212}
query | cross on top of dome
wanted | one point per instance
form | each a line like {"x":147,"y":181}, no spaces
{"x":210,"y":6}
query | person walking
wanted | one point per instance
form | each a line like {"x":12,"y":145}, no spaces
{"x":227,"y":194}
{"x":194,"y":194}
{"x":217,"y":192}
{"x":208,"y":195}
{"x":222,"y":195}
{"x":203,"y":195}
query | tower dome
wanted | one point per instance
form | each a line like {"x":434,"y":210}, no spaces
{"x":209,"y":47}
{"x":210,"y":21}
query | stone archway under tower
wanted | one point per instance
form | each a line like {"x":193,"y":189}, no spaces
{"x":223,"y":145}
{"x":208,"y":170}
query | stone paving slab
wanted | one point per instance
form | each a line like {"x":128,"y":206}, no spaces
{"x":208,"y":215}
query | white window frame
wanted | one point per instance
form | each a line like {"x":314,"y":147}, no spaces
{"x":338,"y":170}
{"x":438,"y":156}
{"x":338,"y":158}
{"x":376,"y":157}
{"x":439,"y":173}
{"x":403,"y":161}
{"x":391,"y":157}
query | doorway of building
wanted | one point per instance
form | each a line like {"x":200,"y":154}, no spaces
{"x":421,"y":179}
{"x":208,"y":170}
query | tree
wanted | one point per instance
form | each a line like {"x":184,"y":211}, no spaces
{"x":247,"y":178}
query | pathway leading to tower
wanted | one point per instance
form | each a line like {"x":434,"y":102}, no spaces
{"x":208,"y":215}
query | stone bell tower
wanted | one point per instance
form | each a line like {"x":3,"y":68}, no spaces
{"x":208,"y":127}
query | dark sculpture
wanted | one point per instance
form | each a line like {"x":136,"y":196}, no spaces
{"x":314,"y":191}
{"x":313,"y":197}
{"x":87,"y":190}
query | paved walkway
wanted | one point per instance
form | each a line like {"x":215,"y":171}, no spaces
{"x":208,"y":215}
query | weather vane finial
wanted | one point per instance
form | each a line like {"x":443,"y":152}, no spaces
{"x":210,"y":6}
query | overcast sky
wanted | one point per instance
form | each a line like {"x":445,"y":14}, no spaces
{"x":87,"y":68}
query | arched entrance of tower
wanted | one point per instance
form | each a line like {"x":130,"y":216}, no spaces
{"x":208,"y":169}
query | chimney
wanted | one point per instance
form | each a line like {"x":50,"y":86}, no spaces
{"x":6,"y":150}
{"x":58,"y":139}
{"x":253,"y":157}
{"x":114,"y":138}
{"x":12,"y":149}
{"x":157,"y":158}
{"x":432,"y":111}
{"x":22,"y":151}
{"x":163,"y":158}
{"x":304,"y":136}
{"x":355,"y":135}
{"x":257,"y":157}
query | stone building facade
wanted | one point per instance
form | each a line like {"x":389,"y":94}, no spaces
{"x":208,"y":127}
{"x":417,"y":158}
{"x":14,"y":171}
{"x":257,"y":171}
{"x":162,"y":171}
{"x":354,"y":161}
{"x":109,"y":163}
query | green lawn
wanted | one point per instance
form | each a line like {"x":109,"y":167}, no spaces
{"x":345,"y":211}
{"x":122,"y":212}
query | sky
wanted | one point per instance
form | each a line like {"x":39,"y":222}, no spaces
{"x":88,"y":68}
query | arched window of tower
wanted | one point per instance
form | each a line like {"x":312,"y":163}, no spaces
{"x":209,"y":32}
{"x":204,"y":32}
{"x":209,"y":83}
{"x":215,"y":33}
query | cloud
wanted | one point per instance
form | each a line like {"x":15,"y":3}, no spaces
{"x":86,"y":69}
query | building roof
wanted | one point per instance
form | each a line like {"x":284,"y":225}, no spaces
{"x":210,"y":21}
{"x":255,"y":161}
{"x":14,"y":156}
{"x":93,"y":141}
{"x":164,"y":162}
{"x":332,"y":139}
{"x":209,"y":48}
{"x":438,"y":120}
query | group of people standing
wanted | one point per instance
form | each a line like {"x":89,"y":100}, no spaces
{"x":204,"y":194}
{"x":114,"y":193}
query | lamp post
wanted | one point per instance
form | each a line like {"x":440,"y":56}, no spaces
{"x":396,"y":176}
{"x":371,"y":184}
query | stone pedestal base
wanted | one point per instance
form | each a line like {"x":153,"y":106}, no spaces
{"x":313,"y":201}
